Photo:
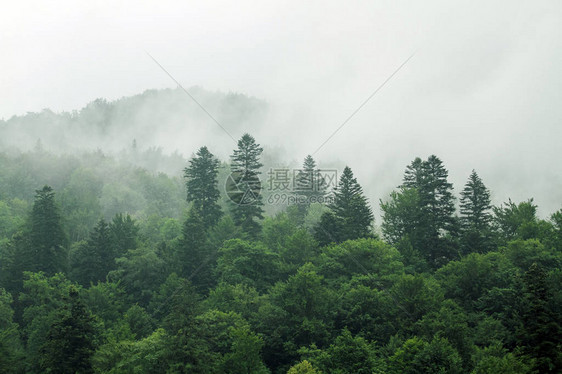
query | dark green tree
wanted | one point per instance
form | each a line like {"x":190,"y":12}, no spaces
{"x":541,"y":334}
{"x":11,"y":352}
{"x":352,"y":215}
{"x":92,"y":260}
{"x":245,"y":166}
{"x":202,"y":188}
{"x":196,"y":258}
{"x":475,"y":215}
{"x":435,"y":213}
{"x":124,"y":234}
{"x":48,"y":241}
{"x":70,"y":341}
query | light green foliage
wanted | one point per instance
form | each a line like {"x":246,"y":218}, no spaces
{"x":418,"y":356}
{"x":495,"y":359}
{"x":140,"y":272}
{"x":370,"y":257}
{"x":250,"y":263}
{"x":303,"y":367}
{"x":348,"y":354}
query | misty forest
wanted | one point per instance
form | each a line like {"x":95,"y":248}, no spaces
{"x":118,"y":257}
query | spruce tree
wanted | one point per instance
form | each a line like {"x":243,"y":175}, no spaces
{"x":196,"y":258}
{"x":308,"y":184}
{"x":124,"y":234}
{"x":353,"y":216}
{"x":202,"y":187}
{"x":245,"y":165}
{"x":94,"y":259}
{"x":47,"y":251}
{"x":435,"y":214}
{"x":475,"y":215}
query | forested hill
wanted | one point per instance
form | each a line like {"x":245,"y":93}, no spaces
{"x":166,"y":117}
{"x":225,"y":265}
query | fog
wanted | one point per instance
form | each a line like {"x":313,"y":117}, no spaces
{"x":483,"y":90}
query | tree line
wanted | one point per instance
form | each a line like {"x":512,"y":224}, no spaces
{"x":229,"y":289}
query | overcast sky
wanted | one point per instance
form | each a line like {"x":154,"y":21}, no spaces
{"x":483,"y":90}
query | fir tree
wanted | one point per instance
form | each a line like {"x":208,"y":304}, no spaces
{"x":435,"y":213}
{"x":124,"y":232}
{"x":353,"y":216}
{"x":310,"y":185}
{"x":94,"y":259}
{"x":245,"y":167}
{"x":202,"y":187}
{"x":475,"y":215}
{"x":48,"y":241}
{"x":196,"y":258}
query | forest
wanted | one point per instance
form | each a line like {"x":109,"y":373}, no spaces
{"x":110,"y":265}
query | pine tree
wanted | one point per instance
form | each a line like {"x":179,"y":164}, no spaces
{"x":202,"y":187}
{"x":48,"y":241}
{"x":245,"y":166}
{"x":475,"y":215}
{"x":353,"y":216}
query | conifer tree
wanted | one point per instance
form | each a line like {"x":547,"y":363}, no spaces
{"x":310,"y":185}
{"x":437,"y":225}
{"x":475,"y":215}
{"x":352,"y":215}
{"x":245,"y":165}
{"x":94,"y":259}
{"x":124,"y":232}
{"x":47,"y":251}
{"x":196,"y":258}
{"x":202,"y":187}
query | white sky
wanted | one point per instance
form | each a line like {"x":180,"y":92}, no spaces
{"x":483,"y":90}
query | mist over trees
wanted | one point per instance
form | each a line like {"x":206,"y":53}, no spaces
{"x":108,"y":264}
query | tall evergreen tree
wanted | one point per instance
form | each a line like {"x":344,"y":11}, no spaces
{"x":351,"y":210}
{"x":196,"y":258}
{"x":48,"y":241}
{"x":310,"y":185}
{"x":435,"y":214}
{"x":94,"y":259}
{"x":124,"y":234}
{"x":245,"y":165}
{"x":475,"y":215}
{"x":202,"y":187}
